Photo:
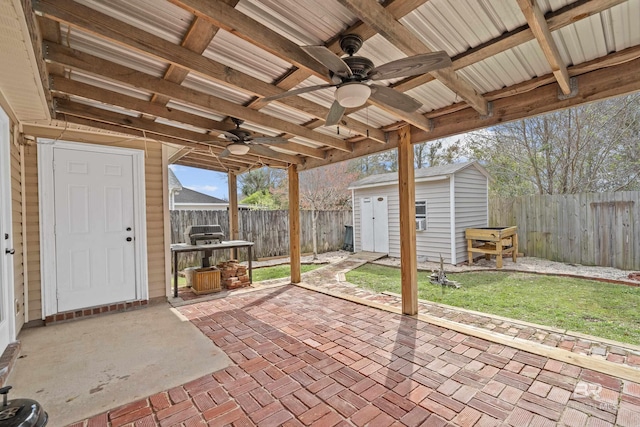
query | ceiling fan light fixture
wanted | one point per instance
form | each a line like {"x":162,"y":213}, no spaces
{"x":238,"y":148}
{"x":352,"y":95}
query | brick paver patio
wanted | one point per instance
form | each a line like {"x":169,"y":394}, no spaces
{"x":305,"y":358}
{"x":332,"y":278}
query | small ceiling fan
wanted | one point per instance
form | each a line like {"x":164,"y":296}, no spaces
{"x":352,"y":77}
{"x":242,"y":139}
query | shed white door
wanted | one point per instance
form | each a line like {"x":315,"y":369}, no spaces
{"x":6,"y":256}
{"x":94,"y":217}
{"x":374,"y":222}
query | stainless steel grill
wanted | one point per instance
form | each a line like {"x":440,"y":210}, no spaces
{"x":203,"y":234}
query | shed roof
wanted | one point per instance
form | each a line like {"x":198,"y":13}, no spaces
{"x":187,"y":195}
{"x":175,"y":71}
{"x":432,"y":173}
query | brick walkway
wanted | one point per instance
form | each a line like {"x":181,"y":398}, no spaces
{"x":332,"y":278}
{"x":304,"y":358}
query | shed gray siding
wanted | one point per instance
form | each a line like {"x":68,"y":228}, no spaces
{"x":471,"y":206}
{"x":436,"y":240}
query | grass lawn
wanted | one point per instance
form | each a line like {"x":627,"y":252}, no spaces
{"x":591,"y":307}
{"x":265,"y":273}
{"x":280,"y":271}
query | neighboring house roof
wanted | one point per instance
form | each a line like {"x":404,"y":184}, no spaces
{"x":420,"y":174}
{"x":174,"y":182}
{"x":187,"y":195}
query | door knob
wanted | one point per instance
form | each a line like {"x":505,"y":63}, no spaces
{"x":10,"y":251}
{"x":129,"y":239}
{"x":128,"y":228}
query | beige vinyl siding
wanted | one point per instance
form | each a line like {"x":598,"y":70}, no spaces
{"x":393,"y":201}
{"x":33,"y":231}
{"x":16,"y":230}
{"x":436,"y":240}
{"x":471,"y":205}
{"x":154,"y":198}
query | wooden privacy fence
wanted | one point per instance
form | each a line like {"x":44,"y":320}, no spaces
{"x":269,"y":230}
{"x":590,"y":228}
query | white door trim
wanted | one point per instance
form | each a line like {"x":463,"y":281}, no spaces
{"x":47,"y":216}
{"x":7,"y":278}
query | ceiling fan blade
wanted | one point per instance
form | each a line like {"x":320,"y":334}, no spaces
{"x":394,"y":99}
{"x":411,"y":66}
{"x":296,"y":92}
{"x":335,"y":114}
{"x":225,"y":153}
{"x":269,"y":140}
{"x":329,"y":59}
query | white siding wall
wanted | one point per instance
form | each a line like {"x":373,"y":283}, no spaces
{"x":431,"y":243}
{"x":471,"y":206}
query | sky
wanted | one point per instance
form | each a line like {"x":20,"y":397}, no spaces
{"x":207,"y":182}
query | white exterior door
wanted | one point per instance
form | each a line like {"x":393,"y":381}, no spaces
{"x":366,"y":224}
{"x":6,"y":257}
{"x":374,"y":221}
{"x":94,"y":228}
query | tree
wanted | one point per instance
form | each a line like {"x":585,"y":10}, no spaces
{"x":591,"y":148}
{"x":259,"y":180}
{"x":261,"y":199}
{"x":325,"y":188}
{"x":436,"y":153}
{"x":426,"y":154}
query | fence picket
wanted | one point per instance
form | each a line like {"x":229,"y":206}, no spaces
{"x":269,"y":230}
{"x":588,"y":228}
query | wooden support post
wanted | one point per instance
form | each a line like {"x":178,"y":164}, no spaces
{"x":233,"y":210}
{"x":408,"y":257}
{"x":294,"y":224}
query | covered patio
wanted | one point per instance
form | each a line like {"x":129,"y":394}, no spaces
{"x":135,"y":86}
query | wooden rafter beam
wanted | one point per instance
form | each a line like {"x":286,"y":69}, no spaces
{"x":232,"y":20}
{"x":182,"y":151}
{"x":567,"y":15}
{"x":595,"y":85}
{"x":197,"y":39}
{"x":72,"y":87}
{"x":538,"y":24}
{"x":182,"y":59}
{"x":371,"y":12}
{"x":97,"y":114}
{"x":610,"y":60}
{"x":207,"y":166}
{"x":132,"y":132}
{"x":92,"y":64}
{"x":237,"y":163}
{"x":397,"y":8}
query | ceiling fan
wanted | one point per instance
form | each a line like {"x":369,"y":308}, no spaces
{"x":352,"y":77}
{"x":242,"y":139}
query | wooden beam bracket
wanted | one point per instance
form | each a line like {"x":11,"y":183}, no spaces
{"x":489,"y":111}
{"x":573,"y":84}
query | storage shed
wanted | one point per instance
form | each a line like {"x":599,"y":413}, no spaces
{"x":449,"y":199}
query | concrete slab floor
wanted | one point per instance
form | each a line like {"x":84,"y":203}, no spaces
{"x":82,"y":368}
